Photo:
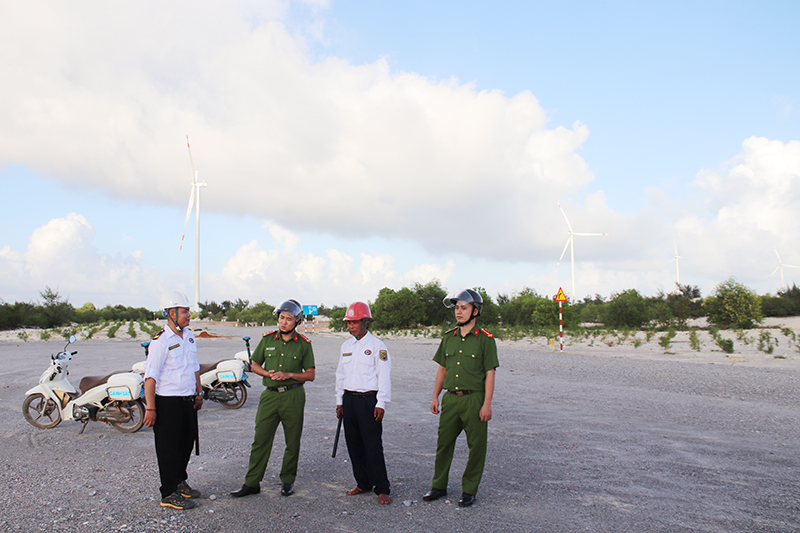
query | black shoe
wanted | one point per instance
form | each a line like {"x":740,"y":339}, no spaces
{"x":434,"y":494}
{"x":246,"y":490}
{"x":176,"y":501}
{"x":466,"y":500}
{"x":188,"y":492}
{"x":287,"y":489}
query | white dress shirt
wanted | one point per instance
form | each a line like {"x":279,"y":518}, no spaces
{"x":364,"y":365}
{"x":172,"y":362}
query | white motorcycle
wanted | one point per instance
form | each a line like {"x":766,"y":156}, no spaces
{"x":223,"y":382}
{"x":114,"y":399}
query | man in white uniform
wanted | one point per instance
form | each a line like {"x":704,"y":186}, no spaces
{"x":363,"y":387}
{"x":173,"y":395}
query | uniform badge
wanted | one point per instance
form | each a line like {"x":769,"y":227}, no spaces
{"x":347,"y":354}
{"x":384,"y":355}
{"x":174,"y":346}
{"x":367,"y":352}
{"x":191,"y":340}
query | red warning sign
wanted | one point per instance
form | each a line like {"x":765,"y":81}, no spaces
{"x":561,"y":297}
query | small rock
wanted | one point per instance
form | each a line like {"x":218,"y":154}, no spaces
{"x":407,"y":503}
{"x":212,"y":497}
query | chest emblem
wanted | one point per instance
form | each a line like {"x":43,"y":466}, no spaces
{"x":367,"y":352}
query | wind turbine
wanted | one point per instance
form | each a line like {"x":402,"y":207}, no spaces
{"x":195,"y":191}
{"x":571,"y":246}
{"x":677,"y":259}
{"x":780,"y":267}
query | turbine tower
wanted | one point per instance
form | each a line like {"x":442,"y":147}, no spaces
{"x":677,"y":259}
{"x":570,"y":244}
{"x":195,"y":192}
{"x":780,"y":267}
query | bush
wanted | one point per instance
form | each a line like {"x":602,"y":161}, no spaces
{"x":397,"y":309}
{"x":733,"y":305}
{"x":627,"y":308}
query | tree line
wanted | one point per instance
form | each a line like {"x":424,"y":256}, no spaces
{"x":54,"y":311}
{"x":731,"y":304}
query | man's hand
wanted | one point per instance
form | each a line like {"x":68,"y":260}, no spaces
{"x":486,"y":413}
{"x":339,"y":411}
{"x":149,"y":418}
{"x":378,"y":414}
{"x":435,"y":406}
{"x":198,"y":402}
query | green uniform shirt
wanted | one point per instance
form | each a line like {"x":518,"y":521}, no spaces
{"x":294,"y":355}
{"x":467,"y":359}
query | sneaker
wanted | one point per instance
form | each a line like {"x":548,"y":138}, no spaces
{"x":176,"y":501}
{"x":186,"y":491}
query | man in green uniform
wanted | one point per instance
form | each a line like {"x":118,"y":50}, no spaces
{"x":467,"y":358}
{"x":285,"y":359}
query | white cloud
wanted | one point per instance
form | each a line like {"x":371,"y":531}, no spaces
{"x":61,"y":255}
{"x":104,"y":95}
{"x":290,"y":271}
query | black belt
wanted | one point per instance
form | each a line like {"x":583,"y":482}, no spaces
{"x":355,"y":394}
{"x":461,"y":392}
{"x":191,"y":398}
{"x":285,"y":388}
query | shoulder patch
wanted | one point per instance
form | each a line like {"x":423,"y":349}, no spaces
{"x":304,"y":337}
{"x":487,"y":333}
{"x":384,"y":355}
{"x":267,"y":334}
{"x":449,"y":331}
{"x":157,"y":335}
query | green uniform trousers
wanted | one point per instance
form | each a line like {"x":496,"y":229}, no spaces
{"x":461,"y":413}
{"x":286,"y":408}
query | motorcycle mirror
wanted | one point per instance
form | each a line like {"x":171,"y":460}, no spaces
{"x":71,"y":339}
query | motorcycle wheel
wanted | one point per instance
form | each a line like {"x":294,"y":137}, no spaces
{"x":40,"y":411}
{"x":135,"y":410}
{"x":239,"y":395}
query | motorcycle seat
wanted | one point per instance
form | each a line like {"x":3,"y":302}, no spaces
{"x":90,"y":382}
{"x":207,"y":367}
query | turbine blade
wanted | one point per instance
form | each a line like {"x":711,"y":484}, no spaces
{"x":790,"y":266}
{"x":590,"y":234}
{"x":565,"y":216}
{"x":773,"y":272}
{"x":776,"y":253}
{"x":188,"y":214}
{"x":569,"y":240}
{"x":191,"y":162}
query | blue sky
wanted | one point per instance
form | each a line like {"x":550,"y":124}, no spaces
{"x":354,"y":145}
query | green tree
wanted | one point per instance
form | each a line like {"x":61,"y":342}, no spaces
{"x":627,"y":308}
{"x":432,"y":295}
{"x":55,"y":311}
{"x":397,"y":309}
{"x":260,"y":313}
{"x":733,"y":305}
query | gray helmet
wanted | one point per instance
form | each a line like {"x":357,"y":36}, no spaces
{"x":467,"y":295}
{"x":292,"y":307}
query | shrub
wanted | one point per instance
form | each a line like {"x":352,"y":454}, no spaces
{"x":665,"y":341}
{"x":733,"y":305}
{"x":627,"y":308}
{"x":694,"y":340}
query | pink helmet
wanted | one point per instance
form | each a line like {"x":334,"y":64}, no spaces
{"x":357,"y":311}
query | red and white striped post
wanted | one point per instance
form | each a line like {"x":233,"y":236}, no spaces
{"x":560,"y":298}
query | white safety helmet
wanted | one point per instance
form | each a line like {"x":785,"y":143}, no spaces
{"x":173,"y":299}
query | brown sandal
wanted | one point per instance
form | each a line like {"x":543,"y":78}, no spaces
{"x":384,"y":499}
{"x":356,"y":491}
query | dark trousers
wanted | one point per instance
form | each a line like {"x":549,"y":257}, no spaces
{"x":175,"y":431}
{"x":364,"y":443}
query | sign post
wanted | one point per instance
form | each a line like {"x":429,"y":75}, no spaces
{"x":311,"y":310}
{"x":560,"y":298}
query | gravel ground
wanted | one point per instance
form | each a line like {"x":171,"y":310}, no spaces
{"x":593,"y":439}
